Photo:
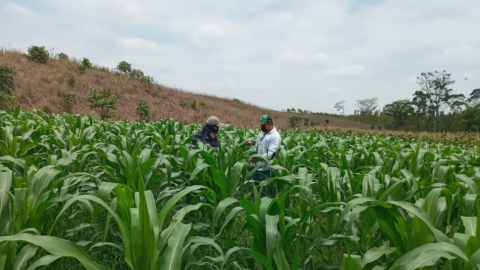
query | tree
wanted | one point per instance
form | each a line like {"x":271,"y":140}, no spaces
{"x":474,"y":98}
{"x":420,"y":106}
{"x":366,"y":107}
{"x":294,"y":120}
{"x":401,"y":110}
{"x":340,"y":106}
{"x":124,"y":67}
{"x":38,"y":54}
{"x":435,"y":87}
{"x":471,"y":116}
{"x":104,"y":100}
{"x":143,"y":110}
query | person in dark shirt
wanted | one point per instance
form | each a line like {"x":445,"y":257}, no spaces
{"x":208,"y":134}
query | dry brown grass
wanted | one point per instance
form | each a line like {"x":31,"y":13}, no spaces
{"x":37,"y":86}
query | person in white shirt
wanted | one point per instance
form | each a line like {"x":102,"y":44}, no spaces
{"x":268,"y":142}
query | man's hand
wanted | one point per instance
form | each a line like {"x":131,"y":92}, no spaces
{"x":254,"y":159}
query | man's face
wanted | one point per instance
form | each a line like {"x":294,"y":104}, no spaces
{"x":268,"y":126}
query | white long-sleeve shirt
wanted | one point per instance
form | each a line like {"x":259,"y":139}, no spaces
{"x":267,"y":145}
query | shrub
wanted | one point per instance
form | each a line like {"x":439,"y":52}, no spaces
{"x":6,"y":79}
{"x":203,"y":104}
{"x":147,"y":79}
{"x":136,"y":74}
{"x":82,"y":68}
{"x":124,"y":67}
{"x":71,"y":81}
{"x":7,"y":87}
{"x":86,"y":63}
{"x":294,"y":120}
{"x":62,"y":56}
{"x":143,"y":110}
{"x":327,"y":121}
{"x":8,"y":101}
{"x":103,"y":100}
{"x":184,"y":104}
{"x":38,"y":54}
{"x":237,"y":100}
{"x":67,"y":101}
{"x":193,"y":104}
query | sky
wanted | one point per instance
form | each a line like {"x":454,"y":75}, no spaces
{"x":275,"y":53}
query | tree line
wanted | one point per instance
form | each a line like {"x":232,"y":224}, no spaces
{"x":434,"y":107}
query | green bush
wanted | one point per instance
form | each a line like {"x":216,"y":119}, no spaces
{"x":184,"y":104}
{"x":103,"y":100}
{"x":86,"y":63}
{"x":38,"y":54}
{"x":147,"y":79}
{"x":67,"y":101}
{"x":7,"y":87}
{"x":124,"y":67}
{"x":203,"y":104}
{"x":143,"y":110}
{"x":136,"y":74}
{"x":294,"y":121}
{"x":71,"y":81}
{"x":62,"y":56}
{"x":6,"y":79}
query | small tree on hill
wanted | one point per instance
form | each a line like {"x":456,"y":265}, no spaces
{"x":124,"y":67}
{"x":103,"y":100}
{"x":294,"y":121}
{"x":86,"y":63}
{"x":136,"y":74}
{"x":67,"y":101}
{"x":62,"y":56}
{"x":38,"y":54}
{"x":143,"y":110}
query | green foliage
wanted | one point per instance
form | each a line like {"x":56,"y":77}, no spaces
{"x":147,"y":79}
{"x":67,"y":100}
{"x":184,"y":104}
{"x":143,"y":110}
{"x":203,"y":104}
{"x":63,"y":57}
{"x":85,"y":64}
{"x":6,"y":79}
{"x":400,"y":110}
{"x":136,"y":74}
{"x":124,"y":67}
{"x":7,"y":86}
{"x":327,"y":121}
{"x":294,"y":121}
{"x":71,"y":81}
{"x":38,"y":54}
{"x":103,"y":100}
{"x":236,"y":100}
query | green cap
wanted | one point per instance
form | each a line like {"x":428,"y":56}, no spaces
{"x":265,"y":119}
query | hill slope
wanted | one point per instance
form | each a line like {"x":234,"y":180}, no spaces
{"x":37,"y":86}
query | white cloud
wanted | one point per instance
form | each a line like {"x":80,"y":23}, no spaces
{"x":138,"y":43}
{"x":17,"y":9}
{"x":346,"y":70}
{"x":285,"y":17}
{"x":281,"y":51}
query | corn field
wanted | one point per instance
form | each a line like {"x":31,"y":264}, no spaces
{"x":79,"y":193}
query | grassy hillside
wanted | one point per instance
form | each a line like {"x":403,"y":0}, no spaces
{"x":37,"y":86}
